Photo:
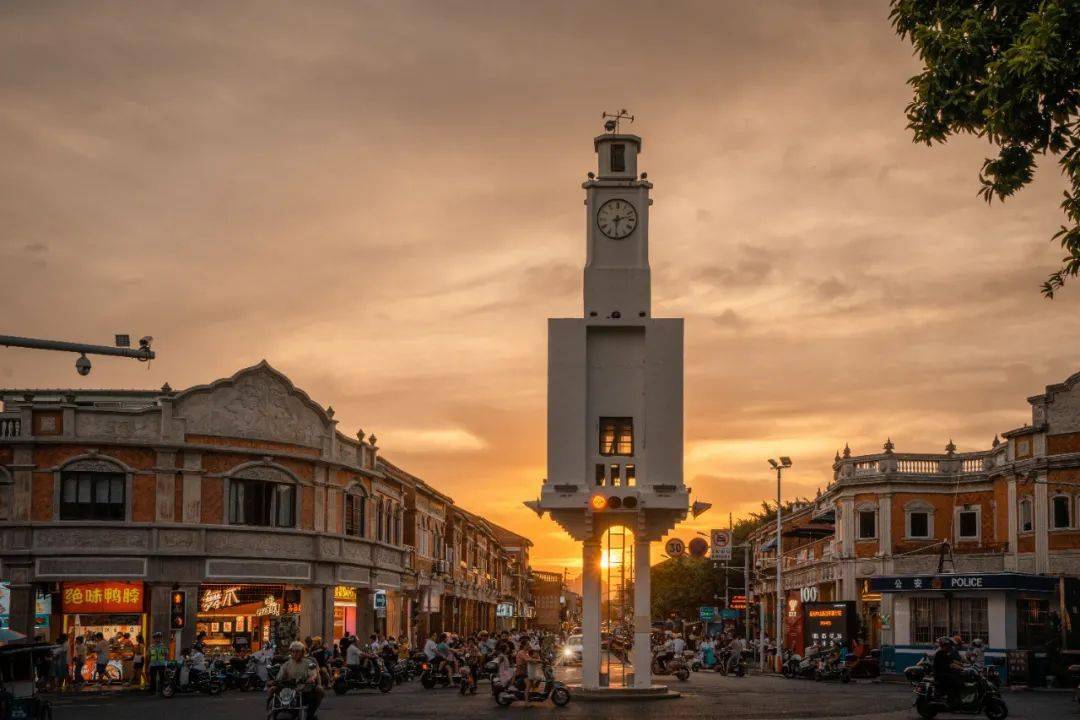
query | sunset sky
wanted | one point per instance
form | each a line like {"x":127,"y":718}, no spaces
{"x":383,"y":200}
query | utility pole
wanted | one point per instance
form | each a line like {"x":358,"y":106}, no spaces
{"x":785,"y":463}
{"x":82,"y":363}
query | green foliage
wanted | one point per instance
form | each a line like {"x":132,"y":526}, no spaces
{"x":682,"y":585}
{"x":1009,"y":72}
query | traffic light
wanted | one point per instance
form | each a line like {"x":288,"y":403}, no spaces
{"x":177,"y":610}
{"x":601,"y":502}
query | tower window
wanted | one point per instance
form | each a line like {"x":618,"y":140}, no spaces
{"x":617,"y":436}
{"x":600,"y":477}
{"x":631,"y":475}
{"x":618,"y":158}
{"x":616,"y":480}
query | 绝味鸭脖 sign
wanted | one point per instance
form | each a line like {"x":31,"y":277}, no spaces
{"x":111,"y":596}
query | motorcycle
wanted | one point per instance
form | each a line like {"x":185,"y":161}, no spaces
{"x":733,"y":663}
{"x":803,"y":666}
{"x":286,"y":702}
{"x":178,"y":680}
{"x":506,"y":695}
{"x":831,"y":667}
{"x":867,"y":666}
{"x":978,"y":695}
{"x":676,"y":666}
{"x":347,"y":678}
{"x":434,"y":672}
{"x":789,"y":663}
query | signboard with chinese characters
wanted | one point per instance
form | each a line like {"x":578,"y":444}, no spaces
{"x":706,"y":612}
{"x":825,"y":622}
{"x":344,"y":593}
{"x":112,"y":596}
{"x":504,"y":609}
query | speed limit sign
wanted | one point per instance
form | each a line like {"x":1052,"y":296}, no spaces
{"x":675,"y":547}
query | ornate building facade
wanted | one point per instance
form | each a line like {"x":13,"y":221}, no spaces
{"x":239,"y":497}
{"x":985,"y":544}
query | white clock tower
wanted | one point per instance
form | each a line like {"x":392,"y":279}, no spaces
{"x":615,"y":400}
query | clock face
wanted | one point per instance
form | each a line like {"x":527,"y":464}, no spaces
{"x":616,"y":219}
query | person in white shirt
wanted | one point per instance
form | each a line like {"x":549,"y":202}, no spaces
{"x":354,"y":657}
{"x":430,"y":648}
{"x":678,"y":645}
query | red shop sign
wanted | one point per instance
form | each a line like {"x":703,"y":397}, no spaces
{"x":113,"y":596}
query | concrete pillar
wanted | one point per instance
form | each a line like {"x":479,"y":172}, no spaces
{"x":885,"y":524}
{"x":317,"y":611}
{"x":590,"y":625}
{"x":642,"y":653}
{"x":1011,"y":554}
{"x":192,"y":510}
{"x":191,"y":616}
{"x":21,"y":612}
{"x":160,"y":610}
{"x":847,"y":527}
{"x":1042,"y":525}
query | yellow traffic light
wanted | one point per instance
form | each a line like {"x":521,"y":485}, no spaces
{"x":598,"y":502}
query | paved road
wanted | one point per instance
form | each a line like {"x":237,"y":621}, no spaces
{"x":706,"y":695}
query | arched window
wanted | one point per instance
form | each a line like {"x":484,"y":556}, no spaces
{"x":1060,"y":512}
{"x":355,"y":512}
{"x":262,"y":496}
{"x":93,"y":490}
{"x":1026,"y":515}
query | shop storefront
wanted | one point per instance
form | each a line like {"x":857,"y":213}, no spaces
{"x":997,"y":608}
{"x":115,"y":609}
{"x":239,"y":617}
{"x":344,"y":610}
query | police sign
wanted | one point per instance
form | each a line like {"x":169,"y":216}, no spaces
{"x":964,"y":581}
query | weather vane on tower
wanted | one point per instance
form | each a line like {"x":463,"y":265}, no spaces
{"x":612,"y":124}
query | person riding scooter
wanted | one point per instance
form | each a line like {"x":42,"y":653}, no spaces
{"x":305,"y":673}
{"x":946,"y":669}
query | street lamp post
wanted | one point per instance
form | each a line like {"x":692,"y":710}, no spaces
{"x":784,"y":464}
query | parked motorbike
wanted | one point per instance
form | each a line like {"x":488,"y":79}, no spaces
{"x":803,"y":666}
{"x":347,"y":678}
{"x":178,"y":680}
{"x":286,"y":702}
{"x":515,"y":692}
{"x":979,"y":693}
{"x":831,"y":667}
{"x":867,"y":666}
{"x":732,"y":663}
{"x":789,"y":663}
{"x":676,"y":666}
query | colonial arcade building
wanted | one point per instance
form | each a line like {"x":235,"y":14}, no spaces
{"x":241,"y":494}
{"x":985,"y":544}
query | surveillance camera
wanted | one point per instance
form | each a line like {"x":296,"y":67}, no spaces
{"x":144,"y":342}
{"x":82,"y":365}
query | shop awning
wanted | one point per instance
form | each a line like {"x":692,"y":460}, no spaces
{"x":769,"y":544}
{"x":964,"y":582}
{"x":809,"y":532}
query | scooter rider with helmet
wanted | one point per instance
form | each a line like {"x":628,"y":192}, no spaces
{"x":304,"y":671}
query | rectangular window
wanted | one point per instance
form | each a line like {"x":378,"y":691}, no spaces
{"x":617,"y":436}
{"x":618,"y":157}
{"x":631,"y":475}
{"x":867,"y":524}
{"x":920,"y":525}
{"x":616,"y":480}
{"x":929,"y":618}
{"x":92,"y":496}
{"x":970,"y":619}
{"x":600,"y":474}
{"x":1060,"y":512}
{"x":1025,"y":516}
{"x":969,"y":524}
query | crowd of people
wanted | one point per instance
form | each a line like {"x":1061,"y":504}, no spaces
{"x":93,"y":658}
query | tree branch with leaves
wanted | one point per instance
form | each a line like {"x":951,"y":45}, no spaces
{"x":1009,"y":72}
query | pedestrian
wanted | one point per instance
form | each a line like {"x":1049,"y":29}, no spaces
{"x":138,"y":660}
{"x":80,"y":660}
{"x":158,"y":658}
{"x":101,"y":658}
{"x":127,"y":658}
{"x":60,"y":662}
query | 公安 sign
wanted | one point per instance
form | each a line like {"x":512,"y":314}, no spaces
{"x":964,"y":582}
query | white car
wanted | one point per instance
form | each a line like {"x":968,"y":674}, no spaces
{"x":571,"y":650}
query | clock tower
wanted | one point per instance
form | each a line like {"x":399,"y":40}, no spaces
{"x":617,"y":207}
{"x":615,"y":401}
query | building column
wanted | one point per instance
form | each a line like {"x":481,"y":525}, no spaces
{"x":847,"y":527}
{"x":885,"y":525}
{"x":1011,"y":562}
{"x":191,"y":617}
{"x":22,"y":610}
{"x":642,"y":653}
{"x":1042,"y":525}
{"x":590,"y":625}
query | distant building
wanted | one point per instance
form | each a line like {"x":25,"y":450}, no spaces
{"x":985,"y":544}
{"x":242,"y":496}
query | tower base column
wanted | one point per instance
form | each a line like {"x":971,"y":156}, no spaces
{"x":590,"y":607}
{"x":642,"y":652}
